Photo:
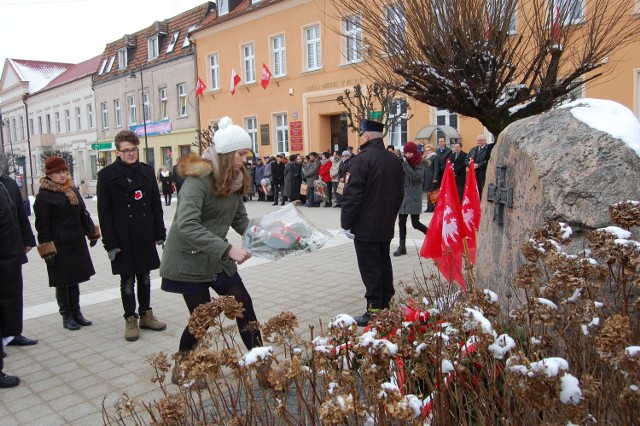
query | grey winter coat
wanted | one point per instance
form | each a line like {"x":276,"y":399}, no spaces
{"x":311,"y":172}
{"x":412,"y":201}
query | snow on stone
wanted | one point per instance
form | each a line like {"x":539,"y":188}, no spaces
{"x":624,"y":242}
{"x":257,"y":354}
{"x":491,"y":296}
{"x":632,"y":351}
{"x":546,"y":302}
{"x":618,"y":232}
{"x":598,"y":304}
{"x":342,"y":321}
{"x":566,"y":230}
{"x":609,"y":117}
{"x":475,"y":317}
{"x":570,"y":392}
{"x":503,"y":344}
{"x":555,"y":244}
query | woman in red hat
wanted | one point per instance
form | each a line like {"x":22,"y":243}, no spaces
{"x":63,"y":222}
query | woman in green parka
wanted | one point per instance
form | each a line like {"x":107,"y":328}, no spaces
{"x":197,"y":255}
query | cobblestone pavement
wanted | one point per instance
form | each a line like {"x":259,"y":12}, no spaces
{"x":66,"y":377}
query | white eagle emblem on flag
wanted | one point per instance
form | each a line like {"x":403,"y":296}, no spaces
{"x":449,"y":227}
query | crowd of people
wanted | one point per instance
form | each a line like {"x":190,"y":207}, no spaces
{"x":373,"y":188}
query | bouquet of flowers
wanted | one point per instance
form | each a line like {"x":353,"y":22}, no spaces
{"x":320,"y":190}
{"x":266,"y":186}
{"x":282,"y":233}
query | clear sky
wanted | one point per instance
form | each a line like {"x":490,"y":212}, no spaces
{"x":75,"y":30}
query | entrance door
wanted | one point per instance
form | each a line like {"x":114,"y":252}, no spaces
{"x":338,"y":132}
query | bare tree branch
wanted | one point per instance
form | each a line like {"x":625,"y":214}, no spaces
{"x":466,"y":56}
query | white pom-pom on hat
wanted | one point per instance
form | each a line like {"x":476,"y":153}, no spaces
{"x":230,"y":137}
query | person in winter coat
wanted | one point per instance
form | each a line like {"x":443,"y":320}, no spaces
{"x":292,"y":179}
{"x":268,"y":162}
{"x":277,"y":177}
{"x":16,"y":240}
{"x":131,"y":222}
{"x":258,"y":175}
{"x":177,"y":179}
{"x":412,"y":201}
{"x":334,"y":172}
{"x":458,"y":158}
{"x":166,"y":179}
{"x":62,"y":223}
{"x":197,"y":255}
{"x":481,"y":153}
{"x":324,"y":173}
{"x":431,"y":173}
{"x":311,"y":175}
{"x":370,"y":205}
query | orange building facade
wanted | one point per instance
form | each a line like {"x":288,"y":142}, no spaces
{"x":311,"y":64}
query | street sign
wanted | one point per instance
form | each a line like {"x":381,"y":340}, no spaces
{"x":104,"y":146}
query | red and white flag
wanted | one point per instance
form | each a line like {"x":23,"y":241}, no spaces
{"x":265,"y":76}
{"x":200,"y":87}
{"x":235,"y":80}
{"x":556,"y":24}
{"x":443,"y":242}
{"x":471,"y":212}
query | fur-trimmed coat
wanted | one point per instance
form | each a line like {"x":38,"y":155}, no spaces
{"x":60,"y":224}
{"x":197,"y":248}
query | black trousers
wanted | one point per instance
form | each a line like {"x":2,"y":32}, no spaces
{"x":415,"y":222}
{"x":376,"y":271}
{"x":127,"y":293}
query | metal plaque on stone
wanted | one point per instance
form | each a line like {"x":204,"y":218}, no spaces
{"x":500,"y":194}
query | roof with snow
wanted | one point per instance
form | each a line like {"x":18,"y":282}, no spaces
{"x":236,"y":8}
{"x":173,"y":43}
{"x":76,"y":72}
{"x":37,"y":73}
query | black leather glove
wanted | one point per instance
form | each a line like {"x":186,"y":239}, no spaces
{"x":50,"y":260}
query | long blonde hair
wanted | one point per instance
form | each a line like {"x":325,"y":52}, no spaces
{"x":226,"y":178}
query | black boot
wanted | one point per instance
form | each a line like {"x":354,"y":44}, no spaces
{"x":402,"y":249}
{"x":364,"y":319}
{"x":62,"y":297}
{"x":74,"y":302}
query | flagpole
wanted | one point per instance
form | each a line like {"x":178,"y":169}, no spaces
{"x":468,"y":266}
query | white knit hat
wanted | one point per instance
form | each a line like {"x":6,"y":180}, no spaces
{"x":230,"y":137}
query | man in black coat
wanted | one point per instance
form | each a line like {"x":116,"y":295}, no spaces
{"x":16,"y":239}
{"x":277,"y":177}
{"x":480,"y":154}
{"x":370,"y":203}
{"x":458,"y":158}
{"x":131,"y":221}
{"x":443,"y":152}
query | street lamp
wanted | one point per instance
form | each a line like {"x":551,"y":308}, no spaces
{"x":144,"y":112}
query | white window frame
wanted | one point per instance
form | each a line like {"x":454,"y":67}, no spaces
{"x":123,"y":59}
{"x":78,"y":118}
{"x":281,"y":129}
{"x":398,"y":133}
{"x":563,"y":5}
{"x":279,"y":55}
{"x":146,"y":107}
{"x":117,"y":112}
{"x":102,"y":67}
{"x":352,"y":40}
{"x":105,"y":115}
{"x":187,"y":41}
{"x":182,"y":99}
{"x":39,"y":124}
{"x":214,"y":71}
{"x":249,"y":63}
{"x":67,"y":119}
{"x":164,"y":103}
{"x":111,"y":61}
{"x":313,"y":47}
{"x":133,"y":109}
{"x":223,"y":7}
{"x":56,"y":117}
{"x":90,"y":116}
{"x":173,"y":41}
{"x":21,"y":123}
{"x":153,"y":50}
{"x":396,"y":23}
{"x":251,"y":126}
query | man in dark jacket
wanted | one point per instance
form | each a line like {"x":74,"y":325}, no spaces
{"x":480,"y":154}
{"x":177,"y":179}
{"x":443,"y":152}
{"x":458,"y":158}
{"x":370,"y":203}
{"x":277,"y":177}
{"x":16,"y":239}
{"x":131,"y":221}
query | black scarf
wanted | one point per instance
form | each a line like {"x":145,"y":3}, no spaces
{"x":128,"y":170}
